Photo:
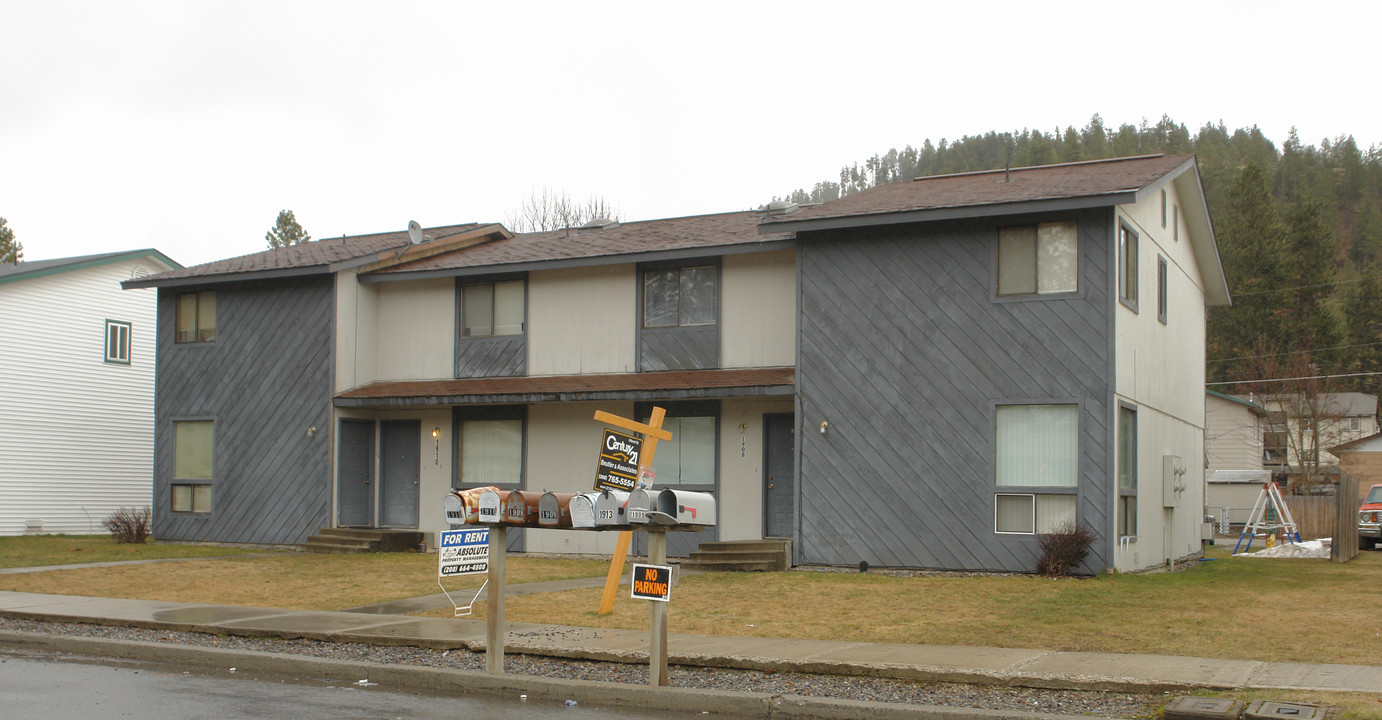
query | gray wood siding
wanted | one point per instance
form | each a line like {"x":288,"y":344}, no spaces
{"x":679,"y":348}
{"x":905,"y":352}
{"x":492,"y":357}
{"x":264,"y":380}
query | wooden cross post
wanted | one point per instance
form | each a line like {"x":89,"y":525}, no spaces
{"x":652,"y":432}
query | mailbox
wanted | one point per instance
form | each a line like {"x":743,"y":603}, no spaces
{"x":609,"y":509}
{"x":684,"y":507}
{"x":463,"y":506}
{"x":522,"y":507}
{"x":554,"y":509}
{"x":583,"y":510}
{"x":641,"y":502}
{"x":492,"y":504}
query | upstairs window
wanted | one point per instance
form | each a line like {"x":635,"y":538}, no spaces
{"x":1161,"y":298}
{"x":196,"y":317}
{"x":492,"y":309}
{"x":1038,"y":259}
{"x":681,"y":297}
{"x":1127,"y":266}
{"x":117,"y":342}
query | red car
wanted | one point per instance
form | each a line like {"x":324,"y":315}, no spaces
{"x":1370,"y":519}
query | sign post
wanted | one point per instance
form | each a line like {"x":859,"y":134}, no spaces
{"x":657,"y":612}
{"x":652,"y":432}
{"x":494,"y":603}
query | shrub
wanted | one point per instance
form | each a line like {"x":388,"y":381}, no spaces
{"x":1062,"y":551}
{"x":129,"y":525}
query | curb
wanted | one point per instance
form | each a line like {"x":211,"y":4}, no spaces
{"x":464,"y":682}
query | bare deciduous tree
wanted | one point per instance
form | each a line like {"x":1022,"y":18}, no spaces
{"x":553,"y":210}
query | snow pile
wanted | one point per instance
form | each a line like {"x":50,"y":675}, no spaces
{"x":1317,"y":549}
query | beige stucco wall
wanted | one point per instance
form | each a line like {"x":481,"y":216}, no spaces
{"x":416,"y":329}
{"x":758,"y":319}
{"x":740,"y":503}
{"x":1160,"y":369}
{"x":563,"y":442}
{"x":357,"y":318}
{"x":582,"y":320}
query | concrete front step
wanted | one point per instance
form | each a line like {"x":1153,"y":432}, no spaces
{"x":357,"y":540}
{"x":741,"y":556}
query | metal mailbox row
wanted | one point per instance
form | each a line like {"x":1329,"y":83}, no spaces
{"x":605,"y":510}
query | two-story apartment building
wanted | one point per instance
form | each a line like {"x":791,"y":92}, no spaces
{"x":927,"y":374}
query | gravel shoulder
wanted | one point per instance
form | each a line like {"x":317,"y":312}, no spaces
{"x":901,"y":692}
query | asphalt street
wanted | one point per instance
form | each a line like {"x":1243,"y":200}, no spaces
{"x":53,"y":686}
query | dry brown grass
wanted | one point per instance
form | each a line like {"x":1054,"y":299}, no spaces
{"x":297,"y":581}
{"x":1272,"y":610}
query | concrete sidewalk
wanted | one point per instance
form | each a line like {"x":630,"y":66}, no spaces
{"x":1028,"y":668}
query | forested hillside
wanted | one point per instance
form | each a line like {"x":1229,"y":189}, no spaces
{"x":1299,"y":229}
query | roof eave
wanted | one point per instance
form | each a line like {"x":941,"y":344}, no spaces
{"x":590,"y":261}
{"x":952,"y":213}
{"x":571,"y":396}
{"x":93,"y":262}
{"x":221,"y":278}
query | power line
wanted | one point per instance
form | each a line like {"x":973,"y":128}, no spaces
{"x":1296,"y":352}
{"x":1276,"y":380}
{"x":1306,"y":287}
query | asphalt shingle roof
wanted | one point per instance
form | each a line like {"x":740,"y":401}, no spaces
{"x":993,"y":187}
{"x":630,"y":238}
{"x":317,"y":253}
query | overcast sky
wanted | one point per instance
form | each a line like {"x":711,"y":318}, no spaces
{"x":186,"y":126}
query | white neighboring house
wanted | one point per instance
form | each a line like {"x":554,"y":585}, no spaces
{"x":76,"y":390}
{"x":1234,"y":428}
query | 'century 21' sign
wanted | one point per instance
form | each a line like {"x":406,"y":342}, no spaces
{"x":618,"y":465}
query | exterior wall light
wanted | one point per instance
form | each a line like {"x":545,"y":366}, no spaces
{"x":436,"y":432}
{"x":824,"y":426}
{"x":312,"y":431}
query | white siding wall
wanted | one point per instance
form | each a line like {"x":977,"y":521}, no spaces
{"x":78,"y":432}
{"x":758,"y":323}
{"x":583,"y":321}
{"x":1234,"y":436}
{"x":416,"y":330}
{"x":1160,"y":368}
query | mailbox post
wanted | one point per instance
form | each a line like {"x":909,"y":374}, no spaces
{"x":494,"y":602}
{"x":657,"y":614}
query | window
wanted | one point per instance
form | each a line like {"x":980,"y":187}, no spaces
{"x":690,"y":457}
{"x":681,"y":297}
{"x":1163,"y":208}
{"x":1038,"y":259}
{"x":1161,"y":289}
{"x":193,"y":442}
{"x":1127,"y":266}
{"x":1037,"y":450}
{"x":193,"y":449}
{"x":1275,"y":444}
{"x":1175,"y":222}
{"x":1127,"y":471}
{"x":191,"y":498}
{"x":117,"y":342}
{"x":491,"y":452}
{"x":196,"y":317}
{"x":492,"y":309}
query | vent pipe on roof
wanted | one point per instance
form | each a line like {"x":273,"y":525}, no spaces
{"x":779,"y":207}
{"x":597,"y":224}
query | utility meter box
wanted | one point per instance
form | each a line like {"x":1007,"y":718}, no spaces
{"x":609,"y":509}
{"x":583,"y":510}
{"x":554,"y":509}
{"x":1172,"y":480}
{"x":492,"y":504}
{"x":640,"y":503}
{"x":687,"y":507}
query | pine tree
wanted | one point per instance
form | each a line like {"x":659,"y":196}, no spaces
{"x":286,"y":231}
{"x":1363,"y":310}
{"x":1252,"y":246}
{"x":11,"y":252}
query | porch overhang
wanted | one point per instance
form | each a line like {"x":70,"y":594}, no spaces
{"x":670,"y":385}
